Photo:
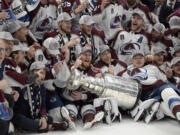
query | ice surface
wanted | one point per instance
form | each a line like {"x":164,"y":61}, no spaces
{"x":126,"y":127}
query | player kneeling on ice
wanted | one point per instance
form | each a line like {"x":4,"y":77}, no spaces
{"x":30,"y":109}
{"x":157,"y":92}
{"x":79,"y":98}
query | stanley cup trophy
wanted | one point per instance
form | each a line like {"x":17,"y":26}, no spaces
{"x":125,"y":91}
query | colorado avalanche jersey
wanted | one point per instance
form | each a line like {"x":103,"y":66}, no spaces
{"x":109,"y":19}
{"x":127,"y":42}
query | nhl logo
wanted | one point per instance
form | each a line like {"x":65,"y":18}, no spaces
{"x":112,"y":11}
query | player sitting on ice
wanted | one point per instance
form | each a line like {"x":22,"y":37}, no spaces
{"x":80,"y":98}
{"x":30,"y":109}
{"x":156,"y":90}
{"x":114,"y":67}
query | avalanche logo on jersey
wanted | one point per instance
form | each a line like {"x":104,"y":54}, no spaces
{"x":140,"y":75}
{"x":32,"y":2}
{"x":115,"y":22}
{"x":129,"y":48}
{"x":45,"y":24}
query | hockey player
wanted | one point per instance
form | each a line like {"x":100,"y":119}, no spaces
{"x":4,"y":113}
{"x":126,"y":42}
{"x":114,"y":67}
{"x":109,"y":65}
{"x":159,"y":60}
{"x":81,"y":98}
{"x":53,"y":56}
{"x":43,"y":15}
{"x":158,"y":38}
{"x":33,"y":116}
{"x":9,"y":40}
{"x":90,"y":35}
{"x":20,"y":32}
{"x":13,"y":70}
{"x":157,"y":93}
{"x":66,"y":38}
{"x":174,"y":30}
{"x":137,"y":60}
{"x":175,"y":65}
{"x":128,"y":9}
{"x":175,"y":52}
{"x":108,"y":16}
{"x":76,"y":8}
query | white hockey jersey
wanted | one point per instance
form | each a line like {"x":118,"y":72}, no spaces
{"x":44,"y":21}
{"x":128,"y":42}
{"x":109,"y":19}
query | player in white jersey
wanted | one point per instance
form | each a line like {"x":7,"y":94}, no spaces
{"x":42,"y":18}
{"x":108,"y":17}
{"x":65,"y":36}
{"x":127,"y":42}
{"x":130,"y":6}
{"x":158,"y":95}
{"x":90,"y":35}
{"x":174,"y":31}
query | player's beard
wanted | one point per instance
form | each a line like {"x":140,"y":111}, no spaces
{"x":137,"y":28}
{"x":86,"y":65}
{"x":86,"y":33}
{"x":107,"y":61}
{"x":38,"y":82}
{"x":64,"y":30}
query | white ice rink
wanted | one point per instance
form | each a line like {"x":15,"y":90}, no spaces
{"x":126,"y":127}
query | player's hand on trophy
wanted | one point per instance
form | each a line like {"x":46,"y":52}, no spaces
{"x":78,"y":62}
{"x":111,"y":69}
{"x":76,"y":95}
{"x":99,"y":72}
{"x":99,"y":75}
